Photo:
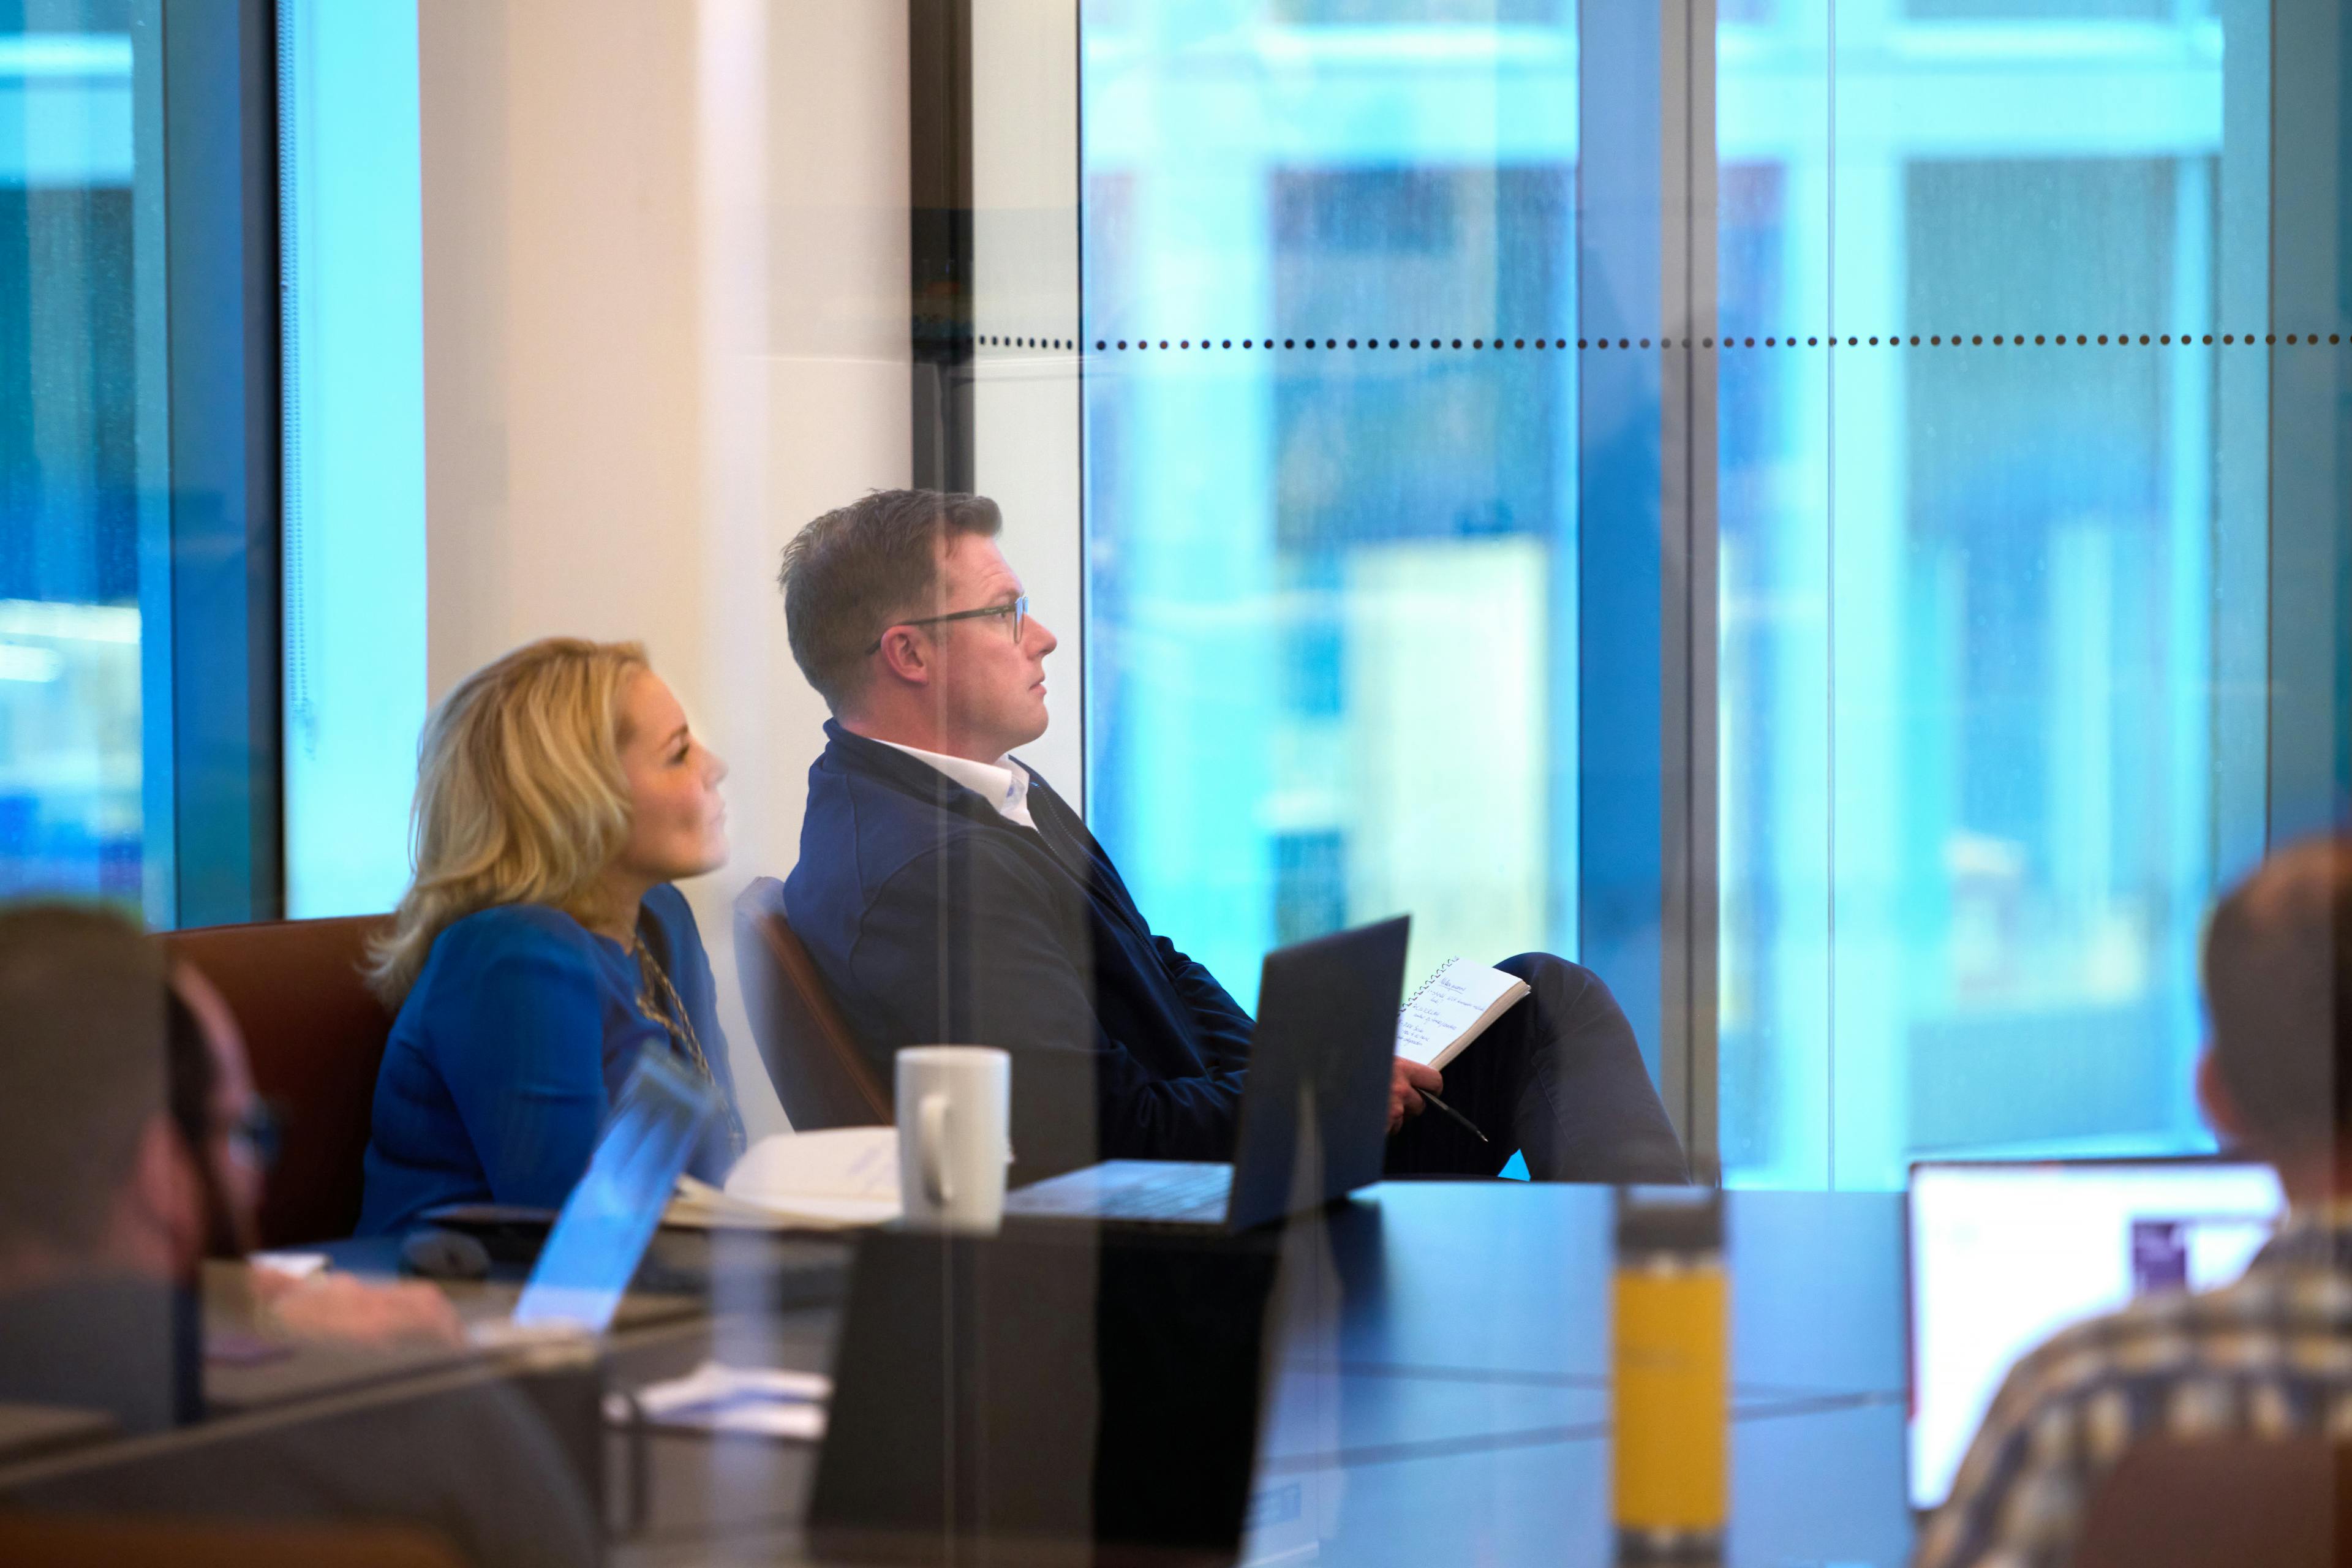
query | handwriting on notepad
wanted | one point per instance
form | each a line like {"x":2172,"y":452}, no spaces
{"x":1443,"y":1010}
{"x":1459,"y":1001}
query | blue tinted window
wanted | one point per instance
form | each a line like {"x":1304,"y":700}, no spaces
{"x":1310,"y":553}
{"x":1975,"y":789}
{"x":1981,"y":735}
{"x":1310,"y":884}
{"x":139,"y":522}
{"x":70,"y":773}
{"x":1424,"y":13}
{"x":2040,"y":10}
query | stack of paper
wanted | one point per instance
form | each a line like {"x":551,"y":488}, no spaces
{"x":761,"y":1402}
{"x":833,"y":1180}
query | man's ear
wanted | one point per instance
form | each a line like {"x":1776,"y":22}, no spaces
{"x":2222,"y":1115}
{"x":165,"y":1197}
{"x":907,"y":655}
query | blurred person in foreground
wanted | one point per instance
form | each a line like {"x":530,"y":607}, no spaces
{"x":131,"y":1147}
{"x":540,"y":946}
{"x":232,"y":1137}
{"x":948,"y":894}
{"x":2269,"y":1357}
{"x":130,"y":1139}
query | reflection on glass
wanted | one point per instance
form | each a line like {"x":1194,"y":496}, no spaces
{"x":1970,"y":782}
{"x":593,"y":1250}
{"x":1334,"y":188}
{"x":69,"y":649}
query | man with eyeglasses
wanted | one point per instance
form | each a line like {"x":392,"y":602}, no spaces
{"x":232,"y":1135}
{"x":131,"y":1147}
{"x":949,"y":895}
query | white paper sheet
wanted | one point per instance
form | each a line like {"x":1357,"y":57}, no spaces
{"x":1455,"y":1002}
{"x":761,"y":1402}
{"x":828,"y":1179}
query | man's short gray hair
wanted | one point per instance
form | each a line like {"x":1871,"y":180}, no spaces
{"x":862,"y":567}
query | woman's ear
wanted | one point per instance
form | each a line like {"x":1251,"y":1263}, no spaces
{"x":2222,"y":1115}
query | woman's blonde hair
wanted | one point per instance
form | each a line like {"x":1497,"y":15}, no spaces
{"x":520,"y":795}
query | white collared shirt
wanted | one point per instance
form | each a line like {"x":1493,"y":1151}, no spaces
{"x":1001,"y":784}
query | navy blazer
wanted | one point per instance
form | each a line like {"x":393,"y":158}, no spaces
{"x":935,"y":921}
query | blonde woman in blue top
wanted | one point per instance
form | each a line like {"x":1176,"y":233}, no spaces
{"x":541,"y":948}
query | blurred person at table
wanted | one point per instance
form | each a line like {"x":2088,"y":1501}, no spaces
{"x":540,"y":946}
{"x":948,"y":894}
{"x":130,"y":1147}
{"x":232,"y":1137}
{"x":2269,"y":1357}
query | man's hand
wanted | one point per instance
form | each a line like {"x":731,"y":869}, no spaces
{"x":339,"y":1307}
{"x":1405,"y":1085}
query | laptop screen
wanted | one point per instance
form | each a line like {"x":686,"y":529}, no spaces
{"x":1314,"y":1119}
{"x":593,"y":1249}
{"x":2004,"y":1255}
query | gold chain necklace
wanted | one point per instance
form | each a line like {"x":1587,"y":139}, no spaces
{"x":678,"y":1024}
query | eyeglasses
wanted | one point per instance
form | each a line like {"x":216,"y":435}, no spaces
{"x":1018,"y":609}
{"x":257,"y":1134}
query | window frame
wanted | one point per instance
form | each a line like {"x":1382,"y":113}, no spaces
{"x":206,"y":116}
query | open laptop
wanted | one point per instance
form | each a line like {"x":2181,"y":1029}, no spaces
{"x":1314,"y":1113}
{"x":598,"y":1239}
{"x":2005,"y":1253}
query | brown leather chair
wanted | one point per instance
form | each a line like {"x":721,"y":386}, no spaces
{"x":35,"y":1539}
{"x":2177,"y":1503}
{"x":315,"y":1035}
{"x":822,"y":1077}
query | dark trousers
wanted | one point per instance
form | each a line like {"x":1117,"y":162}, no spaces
{"x":1558,"y":1077}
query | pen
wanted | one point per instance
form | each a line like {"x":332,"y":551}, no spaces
{"x":1457,"y":1115}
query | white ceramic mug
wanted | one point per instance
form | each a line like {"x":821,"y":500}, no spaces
{"x":954,"y":1102}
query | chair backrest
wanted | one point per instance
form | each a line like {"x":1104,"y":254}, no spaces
{"x":315,"y":1035}
{"x":30,"y":1539}
{"x":822,"y":1077}
{"x":2175,"y":1503}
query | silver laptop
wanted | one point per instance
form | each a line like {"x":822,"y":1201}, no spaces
{"x":1314,"y":1113}
{"x":597,"y":1241}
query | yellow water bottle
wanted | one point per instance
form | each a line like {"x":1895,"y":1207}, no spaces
{"x":1672,"y":1386}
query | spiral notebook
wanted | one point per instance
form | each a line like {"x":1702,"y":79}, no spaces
{"x":1453,"y":1008}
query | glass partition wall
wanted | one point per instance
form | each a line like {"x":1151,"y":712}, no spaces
{"x":1812,"y":560}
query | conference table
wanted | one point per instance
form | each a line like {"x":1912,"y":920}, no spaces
{"x":1443,"y":1394}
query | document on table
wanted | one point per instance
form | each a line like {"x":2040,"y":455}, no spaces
{"x":759,"y":1402}
{"x":1452,"y":1008}
{"x":836,"y":1179}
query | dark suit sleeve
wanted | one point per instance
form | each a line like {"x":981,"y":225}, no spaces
{"x":1225,"y":1030}
{"x":1221,"y":1027}
{"x":966,"y":941}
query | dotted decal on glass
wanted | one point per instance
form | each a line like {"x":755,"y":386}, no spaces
{"x":1777,"y":342}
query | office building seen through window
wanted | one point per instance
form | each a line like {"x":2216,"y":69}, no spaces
{"x":1981,"y":756}
{"x":73,"y":386}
